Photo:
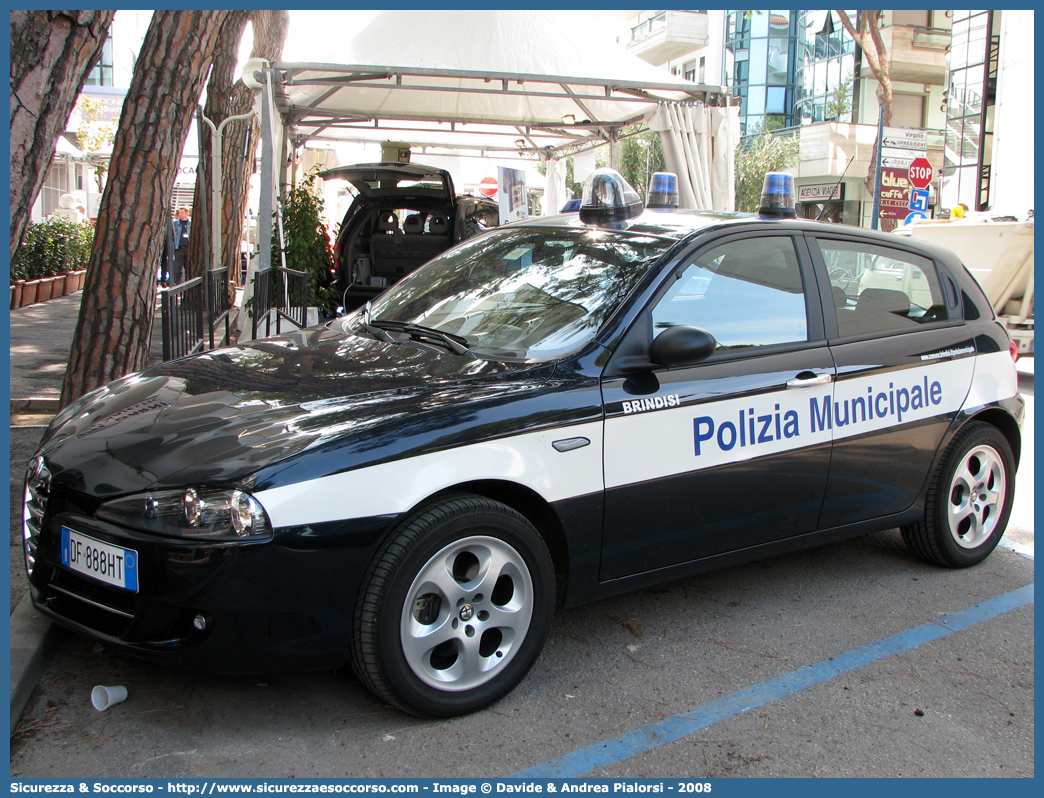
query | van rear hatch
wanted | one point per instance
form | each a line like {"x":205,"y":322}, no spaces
{"x":388,"y":182}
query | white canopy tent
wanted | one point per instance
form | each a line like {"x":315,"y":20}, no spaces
{"x":479,"y":79}
{"x":521,"y":81}
{"x":699,"y":144}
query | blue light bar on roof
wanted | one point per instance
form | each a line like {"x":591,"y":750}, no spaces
{"x":778,"y":196}
{"x":663,"y":191}
{"x":608,"y":199}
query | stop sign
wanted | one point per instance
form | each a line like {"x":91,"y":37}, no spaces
{"x":920,"y":171}
{"x":488,"y":186}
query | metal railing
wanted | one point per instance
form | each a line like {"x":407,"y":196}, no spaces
{"x":192,"y":314}
{"x":648,"y":26}
{"x":279,"y":293}
{"x":182,"y":309}
{"x":218,"y":305}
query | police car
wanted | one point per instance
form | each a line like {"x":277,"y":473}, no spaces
{"x":549,"y":413}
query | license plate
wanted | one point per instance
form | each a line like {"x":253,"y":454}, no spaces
{"x":110,"y":564}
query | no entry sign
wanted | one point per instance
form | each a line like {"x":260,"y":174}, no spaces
{"x":920,"y":172}
{"x":488,"y":186}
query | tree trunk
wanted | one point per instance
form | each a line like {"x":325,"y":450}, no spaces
{"x":220,"y":105}
{"x":227,"y":97}
{"x":119,"y":298}
{"x":868,"y":37}
{"x":52,"y":53}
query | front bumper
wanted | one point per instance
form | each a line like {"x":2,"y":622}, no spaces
{"x":284,"y":604}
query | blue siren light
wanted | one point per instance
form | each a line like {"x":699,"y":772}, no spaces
{"x":778,"y":196}
{"x":663,"y":191}
{"x":571,"y":206}
{"x":608,"y":199}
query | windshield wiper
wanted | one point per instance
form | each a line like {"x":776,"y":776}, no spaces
{"x":458,"y":344}
{"x":378,"y":333}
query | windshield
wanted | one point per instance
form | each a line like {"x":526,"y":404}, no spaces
{"x":521,"y":293}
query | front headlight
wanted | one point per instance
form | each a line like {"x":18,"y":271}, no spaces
{"x":200,"y":513}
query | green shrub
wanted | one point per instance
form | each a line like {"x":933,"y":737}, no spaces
{"x":307,"y":244}
{"x":53,"y":247}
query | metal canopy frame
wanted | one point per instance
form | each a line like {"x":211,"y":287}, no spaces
{"x":301,"y":93}
{"x":320,"y":113}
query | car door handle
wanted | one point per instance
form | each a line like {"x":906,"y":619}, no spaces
{"x":810,"y":381}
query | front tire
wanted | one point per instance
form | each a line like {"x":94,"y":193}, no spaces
{"x":455,"y":608}
{"x":969,"y":500}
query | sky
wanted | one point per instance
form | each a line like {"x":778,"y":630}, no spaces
{"x":313,"y":37}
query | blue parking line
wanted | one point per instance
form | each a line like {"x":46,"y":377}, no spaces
{"x":647,"y":738}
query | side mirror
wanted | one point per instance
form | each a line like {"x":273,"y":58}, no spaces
{"x":682,"y":346}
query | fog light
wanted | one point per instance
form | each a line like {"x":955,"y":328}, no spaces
{"x":199,"y":622}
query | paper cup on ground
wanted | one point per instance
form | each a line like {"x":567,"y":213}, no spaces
{"x":103,"y":697}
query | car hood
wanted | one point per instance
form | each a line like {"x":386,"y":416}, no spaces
{"x":229,"y":414}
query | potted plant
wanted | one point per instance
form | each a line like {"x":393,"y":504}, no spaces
{"x":45,"y":290}
{"x":50,"y":250}
{"x":28,"y":292}
{"x":308,"y":245}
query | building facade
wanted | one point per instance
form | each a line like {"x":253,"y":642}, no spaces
{"x":760,"y":67}
{"x":74,"y":170}
{"x":989,"y":99}
{"x":800,"y":73}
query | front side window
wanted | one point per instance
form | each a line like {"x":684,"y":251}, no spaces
{"x":746,"y":293}
{"x":521,"y":293}
{"x":878,"y":289}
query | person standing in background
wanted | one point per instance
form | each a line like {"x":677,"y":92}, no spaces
{"x":181,"y":240}
{"x":167,"y":263}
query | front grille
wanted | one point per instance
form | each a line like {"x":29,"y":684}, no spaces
{"x":76,"y":604}
{"x":108,"y":610}
{"x":120,"y":602}
{"x":37,"y":492}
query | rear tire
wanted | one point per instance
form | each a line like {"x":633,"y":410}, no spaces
{"x":455,"y":608}
{"x":969,"y":500}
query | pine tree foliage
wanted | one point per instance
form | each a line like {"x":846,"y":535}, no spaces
{"x":756,"y":157}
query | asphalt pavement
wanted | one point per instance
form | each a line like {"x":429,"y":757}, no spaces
{"x":600,"y":683}
{"x":41,"y":337}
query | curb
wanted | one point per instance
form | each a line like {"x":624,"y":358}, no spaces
{"x":36,"y":404}
{"x":33,"y":639}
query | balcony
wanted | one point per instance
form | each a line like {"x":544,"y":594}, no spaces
{"x":915,"y":54}
{"x":826,"y":147}
{"x":667,"y":35}
{"x":931,"y":38}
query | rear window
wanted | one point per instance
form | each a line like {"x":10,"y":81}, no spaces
{"x":403,"y":184}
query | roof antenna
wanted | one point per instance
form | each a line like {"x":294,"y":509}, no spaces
{"x":836,"y":189}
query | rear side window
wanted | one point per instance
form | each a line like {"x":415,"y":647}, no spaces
{"x":746,"y":293}
{"x":877,"y":289}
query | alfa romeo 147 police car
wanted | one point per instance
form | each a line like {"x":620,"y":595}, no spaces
{"x":554,"y":411}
